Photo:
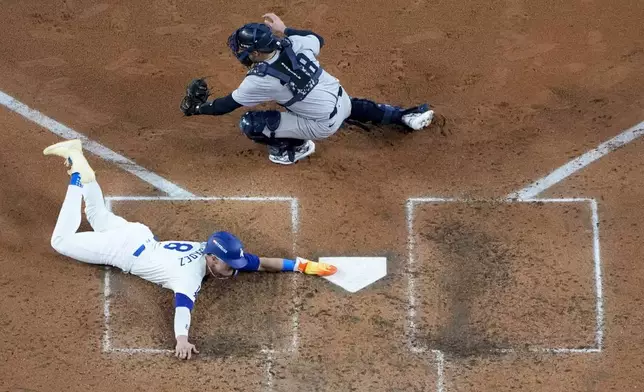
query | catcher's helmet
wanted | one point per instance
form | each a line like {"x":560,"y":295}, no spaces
{"x":252,"y":37}
{"x":227,"y":248}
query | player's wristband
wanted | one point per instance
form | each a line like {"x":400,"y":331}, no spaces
{"x":288,"y":265}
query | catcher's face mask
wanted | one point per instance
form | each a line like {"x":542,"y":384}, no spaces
{"x":242,"y":54}
{"x":252,"y":37}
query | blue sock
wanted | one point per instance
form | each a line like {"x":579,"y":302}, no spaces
{"x":288,"y":265}
{"x":76,"y":180}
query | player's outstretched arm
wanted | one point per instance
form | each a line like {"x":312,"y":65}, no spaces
{"x":218,"y":106}
{"x":183,"y":307}
{"x":300,"y":264}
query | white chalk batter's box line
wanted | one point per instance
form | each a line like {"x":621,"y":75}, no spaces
{"x":411,"y":332}
{"x":268,"y":352}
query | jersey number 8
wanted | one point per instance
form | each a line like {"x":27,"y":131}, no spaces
{"x":178,"y":246}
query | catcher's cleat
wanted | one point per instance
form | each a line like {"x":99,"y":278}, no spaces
{"x":72,"y":151}
{"x":290,"y":157}
{"x":315,"y":268}
{"x":418,"y":118}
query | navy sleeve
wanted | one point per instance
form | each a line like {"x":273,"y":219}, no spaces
{"x":253,"y":262}
{"x":290,"y":31}
{"x":219,"y":106}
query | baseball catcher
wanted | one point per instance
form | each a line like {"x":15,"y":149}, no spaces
{"x":180,"y":266}
{"x":285,"y":70}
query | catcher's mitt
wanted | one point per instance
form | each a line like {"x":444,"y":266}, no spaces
{"x":197,"y":93}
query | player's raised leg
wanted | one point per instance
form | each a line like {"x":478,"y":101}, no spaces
{"x":72,"y":151}
{"x":64,"y":239}
{"x":98,"y":216}
{"x":96,"y":212}
{"x":69,"y":218}
{"x":108,"y":247}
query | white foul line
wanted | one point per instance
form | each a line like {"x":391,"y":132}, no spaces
{"x":295,"y":219}
{"x":599,"y":296}
{"x":547,"y":350}
{"x":297,"y":299}
{"x":204,"y":198}
{"x":107,"y":344}
{"x":107,"y":293}
{"x":440,"y":365}
{"x":268,"y":368}
{"x":141,"y":350}
{"x":579,"y":163}
{"x":411,"y":295}
{"x":527,"y":200}
{"x":97,"y":149}
{"x":410,"y":325}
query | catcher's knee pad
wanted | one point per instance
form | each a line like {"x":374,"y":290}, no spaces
{"x":364,"y":110}
{"x":253,"y":124}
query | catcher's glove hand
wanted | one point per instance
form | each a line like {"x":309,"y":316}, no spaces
{"x":197,"y":93}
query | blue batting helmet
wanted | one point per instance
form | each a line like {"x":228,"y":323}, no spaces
{"x":252,"y":37}
{"x":227,"y":248}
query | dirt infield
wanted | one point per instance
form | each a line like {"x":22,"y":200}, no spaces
{"x":524,"y":87}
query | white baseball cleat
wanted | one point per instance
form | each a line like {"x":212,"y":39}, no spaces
{"x":302,"y":152}
{"x":72,"y":151}
{"x":418,"y":121}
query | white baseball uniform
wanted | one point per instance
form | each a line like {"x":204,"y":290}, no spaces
{"x":308,"y":119}
{"x":131,"y":246}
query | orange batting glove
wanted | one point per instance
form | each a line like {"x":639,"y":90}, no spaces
{"x":315,"y":268}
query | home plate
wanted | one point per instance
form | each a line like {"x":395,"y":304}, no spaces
{"x":356,"y":273}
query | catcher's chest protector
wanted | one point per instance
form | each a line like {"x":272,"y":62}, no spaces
{"x":295,"y":71}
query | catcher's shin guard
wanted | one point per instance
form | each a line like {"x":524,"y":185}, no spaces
{"x":364,"y":111}
{"x":367,"y":111}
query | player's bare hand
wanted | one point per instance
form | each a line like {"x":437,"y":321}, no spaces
{"x":184,"y":349}
{"x":274,"y":22}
